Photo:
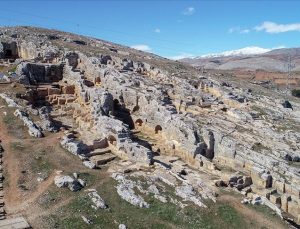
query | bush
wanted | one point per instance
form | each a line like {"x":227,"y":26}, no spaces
{"x":296,"y":92}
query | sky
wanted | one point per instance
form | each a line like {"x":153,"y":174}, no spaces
{"x":169,"y":28}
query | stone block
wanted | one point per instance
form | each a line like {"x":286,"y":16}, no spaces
{"x":54,"y":91}
{"x":61,"y":101}
{"x":42,"y":92}
{"x":69,"y":89}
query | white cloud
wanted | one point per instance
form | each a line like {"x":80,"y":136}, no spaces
{"x":181,"y":56}
{"x":142,"y":47}
{"x":189,"y":11}
{"x":245,"y":31}
{"x":251,"y":50}
{"x":238,"y":30}
{"x":272,"y":27}
{"x":157,"y":30}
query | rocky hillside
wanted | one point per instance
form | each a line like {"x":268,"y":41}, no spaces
{"x":273,"y":61}
{"x":98,"y":135}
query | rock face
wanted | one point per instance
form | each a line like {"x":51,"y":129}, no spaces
{"x":32,"y":73}
{"x":137,"y":106}
{"x":33,"y":129}
{"x":188,"y":194}
{"x":126,"y":192}
{"x":73,"y":146}
{"x":67,"y":181}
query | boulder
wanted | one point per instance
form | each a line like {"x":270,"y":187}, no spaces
{"x":74,"y":146}
{"x":89,"y":164}
{"x":67,"y":181}
{"x":287,"y":104}
{"x":86,"y":220}
{"x":98,"y":202}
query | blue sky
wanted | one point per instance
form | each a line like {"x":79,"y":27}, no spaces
{"x":168,"y":28}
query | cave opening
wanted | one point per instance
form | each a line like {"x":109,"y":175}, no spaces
{"x":157,"y":129}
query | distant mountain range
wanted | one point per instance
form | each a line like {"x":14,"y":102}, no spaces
{"x":250,"y":58}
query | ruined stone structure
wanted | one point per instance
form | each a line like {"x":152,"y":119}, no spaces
{"x":135,"y":110}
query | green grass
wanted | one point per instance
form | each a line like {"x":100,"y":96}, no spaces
{"x":16,"y":146}
{"x":264,"y":210}
{"x":40,"y":163}
{"x":230,"y":216}
{"x":159,"y":215}
{"x":14,"y":126}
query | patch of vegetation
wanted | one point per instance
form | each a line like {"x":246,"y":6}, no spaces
{"x":159,"y":215}
{"x":13,"y":68}
{"x":16,"y":146}
{"x":40,"y":163}
{"x":54,"y":196}
{"x":260,"y":110}
{"x":89,"y":178}
{"x":296,"y":93}
{"x":229,"y":215}
{"x":264,"y":210}
{"x":288,"y":124}
{"x":14,"y":126}
{"x":9,"y":119}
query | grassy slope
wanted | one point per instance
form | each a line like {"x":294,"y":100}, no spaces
{"x":159,"y":215}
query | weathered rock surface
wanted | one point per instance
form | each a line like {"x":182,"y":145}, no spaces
{"x":125,"y":189}
{"x":138,"y":106}
{"x":67,"y":181}
{"x":33,"y":129}
{"x":10,"y":102}
{"x":98,"y":202}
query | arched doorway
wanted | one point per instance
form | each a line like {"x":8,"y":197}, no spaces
{"x":157,"y":129}
{"x":139,"y":122}
{"x":136,"y":108}
{"x":112,"y":140}
{"x":98,"y":80}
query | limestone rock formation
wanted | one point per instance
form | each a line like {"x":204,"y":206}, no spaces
{"x":119,"y":103}
{"x":67,"y":181}
{"x":33,"y":129}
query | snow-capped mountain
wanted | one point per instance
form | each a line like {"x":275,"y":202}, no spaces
{"x":250,"y":58}
{"x":252,"y":50}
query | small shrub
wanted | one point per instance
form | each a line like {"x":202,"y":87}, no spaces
{"x":296,"y":93}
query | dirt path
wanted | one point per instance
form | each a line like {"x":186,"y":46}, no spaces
{"x":33,"y":197}
{"x":250,"y":214}
{"x":35,"y":215}
{"x":12,"y":194}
